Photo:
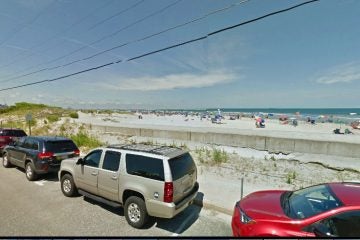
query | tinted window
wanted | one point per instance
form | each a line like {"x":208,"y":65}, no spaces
{"x":182,"y":165}
{"x":15,"y":133}
{"x":111,"y":161}
{"x":344,"y":225}
{"x":31,"y":144}
{"x":20,"y":142}
{"x":60,"y":146}
{"x":93,"y":159}
{"x":145,"y":166}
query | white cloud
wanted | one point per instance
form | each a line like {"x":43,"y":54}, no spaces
{"x":341,"y":74}
{"x":172,"y":81}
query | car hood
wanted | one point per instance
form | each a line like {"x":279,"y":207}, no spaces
{"x":69,"y":161}
{"x":264,"y":205}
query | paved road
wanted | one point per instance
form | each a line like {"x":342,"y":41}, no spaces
{"x":40,"y":209}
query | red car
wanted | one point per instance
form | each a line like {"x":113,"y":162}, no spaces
{"x":8,"y":135}
{"x":325,"y":210}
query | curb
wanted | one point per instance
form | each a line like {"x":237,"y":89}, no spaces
{"x":208,"y":205}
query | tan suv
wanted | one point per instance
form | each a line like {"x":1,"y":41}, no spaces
{"x":146,"y":180}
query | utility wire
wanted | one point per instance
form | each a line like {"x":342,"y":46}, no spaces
{"x":115,"y":15}
{"x":99,"y":40}
{"x":55,"y":36}
{"x":130,"y":42}
{"x":31,"y":22}
{"x":166,"y":48}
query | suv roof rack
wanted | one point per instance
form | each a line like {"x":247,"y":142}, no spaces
{"x":156,"y":149}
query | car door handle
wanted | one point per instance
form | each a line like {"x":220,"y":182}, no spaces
{"x":94,"y":173}
{"x":114,"y":177}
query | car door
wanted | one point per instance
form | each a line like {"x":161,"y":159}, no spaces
{"x":108,"y":179}
{"x":17,"y":152}
{"x":87,"y":173}
{"x":345,"y":224}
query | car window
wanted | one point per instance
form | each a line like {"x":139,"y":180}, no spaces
{"x":111,"y":161}
{"x":93,"y":158}
{"x":15,"y":133}
{"x":309,"y":201}
{"x":21,"y":142}
{"x":181,"y":165}
{"x":345,"y":224}
{"x":145,"y":166}
{"x":60,"y":146}
{"x":31,"y":144}
{"x":19,"y":133}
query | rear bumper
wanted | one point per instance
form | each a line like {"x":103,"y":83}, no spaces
{"x":169,"y":210}
{"x":43,"y":168}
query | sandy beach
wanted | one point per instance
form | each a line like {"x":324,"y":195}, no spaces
{"x":320,"y":131}
{"x":259,"y":170}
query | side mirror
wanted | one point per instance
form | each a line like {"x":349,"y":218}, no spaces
{"x":80,"y":161}
{"x":321,"y":230}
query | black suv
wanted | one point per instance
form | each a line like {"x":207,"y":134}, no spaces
{"x":39,"y":155}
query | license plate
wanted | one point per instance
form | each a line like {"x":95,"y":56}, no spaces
{"x":61,"y":157}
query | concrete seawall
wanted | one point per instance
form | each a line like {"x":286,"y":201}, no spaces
{"x":256,"y":141}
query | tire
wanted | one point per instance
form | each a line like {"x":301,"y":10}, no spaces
{"x":29,"y":172}
{"x":135,"y":212}
{"x":6,"y":162}
{"x":68,"y":187}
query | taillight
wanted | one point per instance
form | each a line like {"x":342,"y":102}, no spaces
{"x":45,"y":155}
{"x":168,"y":192}
{"x":77,"y":152}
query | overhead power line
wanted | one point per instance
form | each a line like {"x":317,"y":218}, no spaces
{"x":166,"y":48}
{"x":114,"y":15}
{"x":30,"y":22}
{"x":31,"y":53}
{"x":100,"y":40}
{"x":130,"y":42}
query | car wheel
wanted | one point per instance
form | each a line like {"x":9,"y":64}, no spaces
{"x":29,"y":172}
{"x":68,"y":186}
{"x":6,"y":162}
{"x":135,"y":212}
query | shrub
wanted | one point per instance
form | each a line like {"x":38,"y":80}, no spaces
{"x":219,"y":156}
{"x":83,"y":139}
{"x":53,"y":118}
{"x":74,"y":115}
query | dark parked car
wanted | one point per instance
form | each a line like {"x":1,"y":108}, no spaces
{"x":325,"y":210}
{"x":39,"y":155}
{"x":8,"y":135}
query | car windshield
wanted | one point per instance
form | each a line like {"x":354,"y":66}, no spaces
{"x":308,"y":202}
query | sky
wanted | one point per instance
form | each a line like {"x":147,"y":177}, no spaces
{"x":304,"y":58}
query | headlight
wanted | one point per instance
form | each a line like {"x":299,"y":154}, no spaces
{"x":245,"y":218}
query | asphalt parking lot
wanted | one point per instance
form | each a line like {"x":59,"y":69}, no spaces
{"x":40,"y":209}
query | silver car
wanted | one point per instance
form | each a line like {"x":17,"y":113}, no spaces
{"x":146,"y":180}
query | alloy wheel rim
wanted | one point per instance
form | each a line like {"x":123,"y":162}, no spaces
{"x":28,"y":171}
{"x":134,"y":212}
{"x":67,"y":185}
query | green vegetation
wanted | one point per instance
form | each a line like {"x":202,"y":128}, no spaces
{"x":83,"y":139}
{"x":290,"y":177}
{"x":23,"y":107}
{"x":53,"y":118}
{"x":74,"y":115}
{"x":212,"y":157}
